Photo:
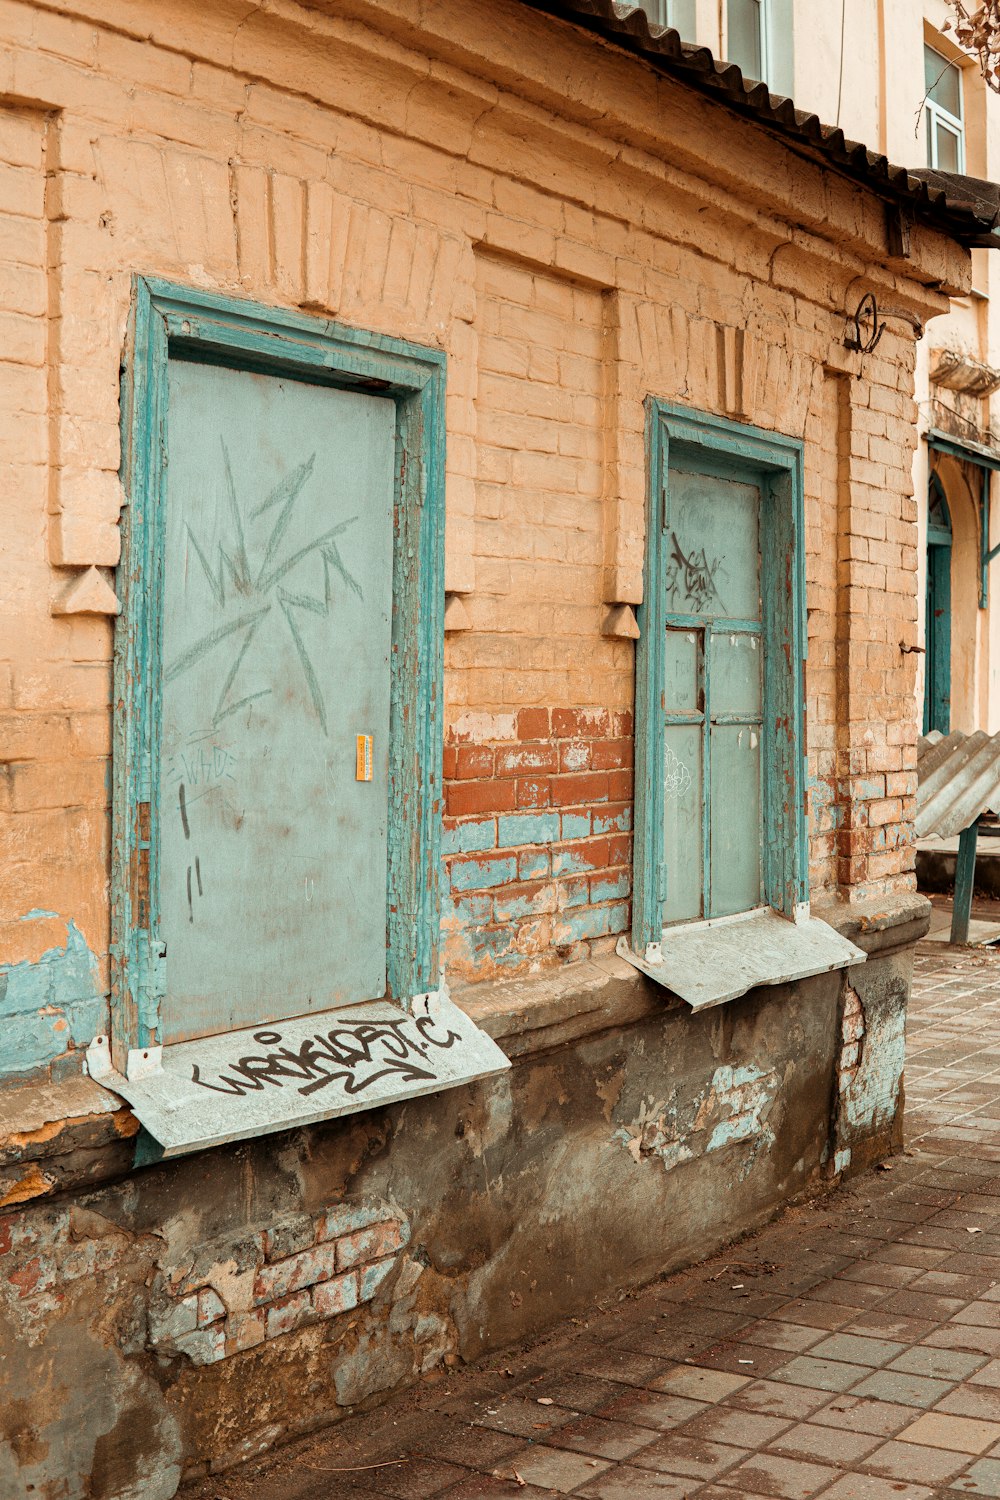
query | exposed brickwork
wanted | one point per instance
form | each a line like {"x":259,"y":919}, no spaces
{"x":537,"y":837}
{"x":270,"y":1282}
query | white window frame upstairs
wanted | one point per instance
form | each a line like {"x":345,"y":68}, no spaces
{"x":937,"y":117}
{"x":764,"y":29}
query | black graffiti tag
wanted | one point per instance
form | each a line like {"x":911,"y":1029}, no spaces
{"x":356,"y":1055}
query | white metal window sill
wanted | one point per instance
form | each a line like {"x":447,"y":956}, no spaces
{"x":192,"y":1095}
{"x":708,"y":963}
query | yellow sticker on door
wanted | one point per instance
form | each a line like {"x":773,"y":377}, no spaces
{"x":363,"y":771}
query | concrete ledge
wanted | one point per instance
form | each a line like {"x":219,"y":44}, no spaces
{"x":880,"y":926}
{"x":56,"y":1137}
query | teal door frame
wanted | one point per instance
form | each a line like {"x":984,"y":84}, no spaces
{"x":168,"y":319}
{"x":775,"y":463}
{"x":937,"y":612}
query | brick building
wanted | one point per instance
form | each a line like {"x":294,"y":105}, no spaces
{"x":449,"y":527}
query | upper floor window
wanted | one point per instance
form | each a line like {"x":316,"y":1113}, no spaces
{"x":680,"y":14}
{"x":749,"y":37}
{"x":945,"y":125}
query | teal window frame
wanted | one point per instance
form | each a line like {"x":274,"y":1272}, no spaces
{"x":774,"y":462}
{"x":170,"y":319}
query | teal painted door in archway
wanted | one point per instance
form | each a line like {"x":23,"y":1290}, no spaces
{"x":937,"y":672}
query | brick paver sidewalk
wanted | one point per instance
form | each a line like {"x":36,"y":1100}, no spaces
{"x":850,"y":1351}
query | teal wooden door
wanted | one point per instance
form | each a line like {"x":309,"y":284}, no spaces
{"x":277,"y":596}
{"x":937,"y":613}
{"x":712,"y":701}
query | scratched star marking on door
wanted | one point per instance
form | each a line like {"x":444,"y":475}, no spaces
{"x":248,"y":583}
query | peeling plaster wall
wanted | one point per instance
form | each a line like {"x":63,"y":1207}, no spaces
{"x":51,"y":1006}
{"x":868,"y":1113}
{"x":209,"y":1307}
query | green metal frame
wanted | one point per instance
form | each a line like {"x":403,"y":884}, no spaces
{"x":774,"y":462}
{"x":937,"y":615}
{"x":986,"y":462}
{"x":965,"y":881}
{"x":168,"y":319}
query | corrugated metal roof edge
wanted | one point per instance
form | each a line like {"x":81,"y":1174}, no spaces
{"x":965,"y":208}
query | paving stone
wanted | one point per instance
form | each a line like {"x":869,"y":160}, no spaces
{"x":777,"y":1399}
{"x":622,"y":1365}
{"x":770,"y":1474}
{"x":600,"y":1439}
{"x":938,"y":1429}
{"x":742,"y":1359}
{"x":909,"y":1390}
{"x":967,"y":1400}
{"x":988,"y":1375}
{"x":659,"y":1412}
{"x":464,"y":1444}
{"x":853,"y":1348}
{"x":831,"y":1315}
{"x":864,"y":1414}
{"x":820,"y":1374}
{"x":622,"y":1483}
{"x":727,"y":1424}
{"x":873,"y":1273}
{"x":879,"y":1325}
{"x":698,"y":1383}
{"x":983,"y":1478}
{"x":947,"y":1364}
{"x":555,"y":1468}
{"x":966,"y":1336}
{"x":697,"y":1458}
{"x":793,"y":1337}
{"x":830,"y":1444}
{"x":580,"y":1392}
{"x":912,"y":1462}
{"x":982,"y":1314}
{"x":520,"y":1416}
{"x":911,"y":1304}
{"x":475,"y":1487}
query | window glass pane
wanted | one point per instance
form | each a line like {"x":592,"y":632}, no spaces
{"x":713,"y":547}
{"x":680,"y":695}
{"x":735,"y":671}
{"x":744,"y":45}
{"x":943,"y":82}
{"x":947,"y":156}
{"x":735,"y":833}
{"x":682,"y":821}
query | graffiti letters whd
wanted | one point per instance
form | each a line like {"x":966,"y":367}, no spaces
{"x":268,"y":1078}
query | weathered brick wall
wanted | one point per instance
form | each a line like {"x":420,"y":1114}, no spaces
{"x":572,"y":254}
{"x":537,"y":835}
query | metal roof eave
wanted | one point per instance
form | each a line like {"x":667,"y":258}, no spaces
{"x":967,"y":209}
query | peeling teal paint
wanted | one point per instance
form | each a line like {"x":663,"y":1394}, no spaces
{"x":519,"y":829}
{"x":732,"y":1110}
{"x":469,"y":838}
{"x":48,"y":1004}
{"x":481,"y":874}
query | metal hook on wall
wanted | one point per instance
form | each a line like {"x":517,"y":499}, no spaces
{"x":867,"y":329}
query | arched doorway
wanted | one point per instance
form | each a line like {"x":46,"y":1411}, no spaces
{"x":937,"y":671}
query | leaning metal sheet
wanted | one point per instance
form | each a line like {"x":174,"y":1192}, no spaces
{"x":958,"y":779}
